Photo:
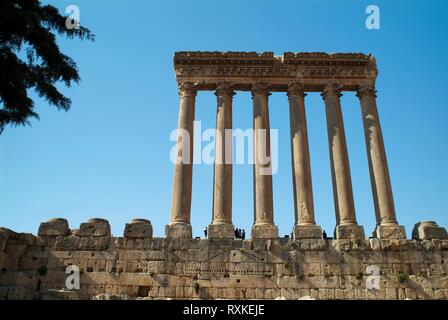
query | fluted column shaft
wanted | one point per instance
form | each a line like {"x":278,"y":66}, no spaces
{"x":305,"y":225}
{"x":264,"y":213}
{"x":378,"y":168}
{"x":340,"y":168}
{"x":180,"y":226}
{"x":221,"y":226}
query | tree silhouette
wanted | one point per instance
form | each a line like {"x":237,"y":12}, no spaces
{"x":31,"y":59}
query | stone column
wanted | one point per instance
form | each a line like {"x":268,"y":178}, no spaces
{"x":387,"y":226}
{"x":221,"y":226}
{"x":346,"y":225}
{"x":263,"y":226}
{"x":305,"y":225}
{"x":179,"y":226}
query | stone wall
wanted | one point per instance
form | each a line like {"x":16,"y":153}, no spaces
{"x":138,"y":265}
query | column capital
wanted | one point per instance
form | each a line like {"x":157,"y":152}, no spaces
{"x":296,"y":88}
{"x":187,"y":89}
{"x":332,"y":89}
{"x":366,"y":90}
{"x":225,"y":87}
{"x":261,"y":88}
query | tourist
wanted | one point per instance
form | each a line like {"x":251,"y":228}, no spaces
{"x":205,"y":232}
{"x":324,"y":235}
{"x":243,"y":234}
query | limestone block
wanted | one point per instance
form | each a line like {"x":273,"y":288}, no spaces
{"x":375,"y":244}
{"x":350,"y":231}
{"x":314,"y":293}
{"x":307,"y":232}
{"x":5,"y":235}
{"x":426,"y":230}
{"x":138,"y":228}
{"x":16,"y":251}
{"x":360,"y":294}
{"x":27,"y":239}
{"x":392,"y":231}
{"x":259,"y":293}
{"x":250,"y":293}
{"x":439,"y":294}
{"x":247,"y":245}
{"x":391,"y":293}
{"x":70,"y":242}
{"x":54,"y":227}
{"x":221,"y":231}
{"x":94,"y":243}
{"x":134,"y":243}
{"x":95,"y":227}
{"x":410,"y":293}
{"x":264,"y":231}
{"x":318,"y":244}
{"x":178,"y":230}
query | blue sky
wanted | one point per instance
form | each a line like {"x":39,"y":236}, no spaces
{"x":109,"y":155}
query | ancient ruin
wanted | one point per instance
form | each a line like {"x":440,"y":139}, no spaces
{"x":350,"y":266}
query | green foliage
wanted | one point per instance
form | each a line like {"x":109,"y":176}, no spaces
{"x":299,"y":276}
{"x":31,"y":60}
{"x":401,"y":277}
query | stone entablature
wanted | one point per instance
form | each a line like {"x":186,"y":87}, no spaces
{"x":314,"y":69}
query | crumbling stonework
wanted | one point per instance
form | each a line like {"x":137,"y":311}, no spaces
{"x":34,"y":267}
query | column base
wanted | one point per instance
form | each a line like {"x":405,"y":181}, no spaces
{"x":307,"y":231}
{"x":426,"y":230}
{"x":178,"y":230}
{"x":349,"y":231}
{"x":389,"y":231}
{"x":264,"y":231}
{"x":221,"y":231}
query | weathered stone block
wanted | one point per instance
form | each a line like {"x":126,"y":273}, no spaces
{"x":221,"y":231}
{"x":178,"y":230}
{"x":70,"y":242}
{"x":307,"y":232}
{"x":349,"y":231}
{"x":5,"y":235}
{"x":426,"y":230}
{"x":54,"y":227}
{"x":95,"y":227}
{"x":392,"y":231}
{"x":264,"y":231}
{"x":138,"y":228}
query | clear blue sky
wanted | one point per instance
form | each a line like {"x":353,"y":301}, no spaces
{"x":109,"y":155}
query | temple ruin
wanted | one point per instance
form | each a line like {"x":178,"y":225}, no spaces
{"x":386,"y":265}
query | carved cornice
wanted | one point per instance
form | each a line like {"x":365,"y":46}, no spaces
{"x":225,"y":87}
{"x":366,"y":90}
{"x":260,"y":88}
{"x":187,"y":89}
{"x":314,"y":69}
{"x":332,"y":89}
{"x":296,"y":88}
